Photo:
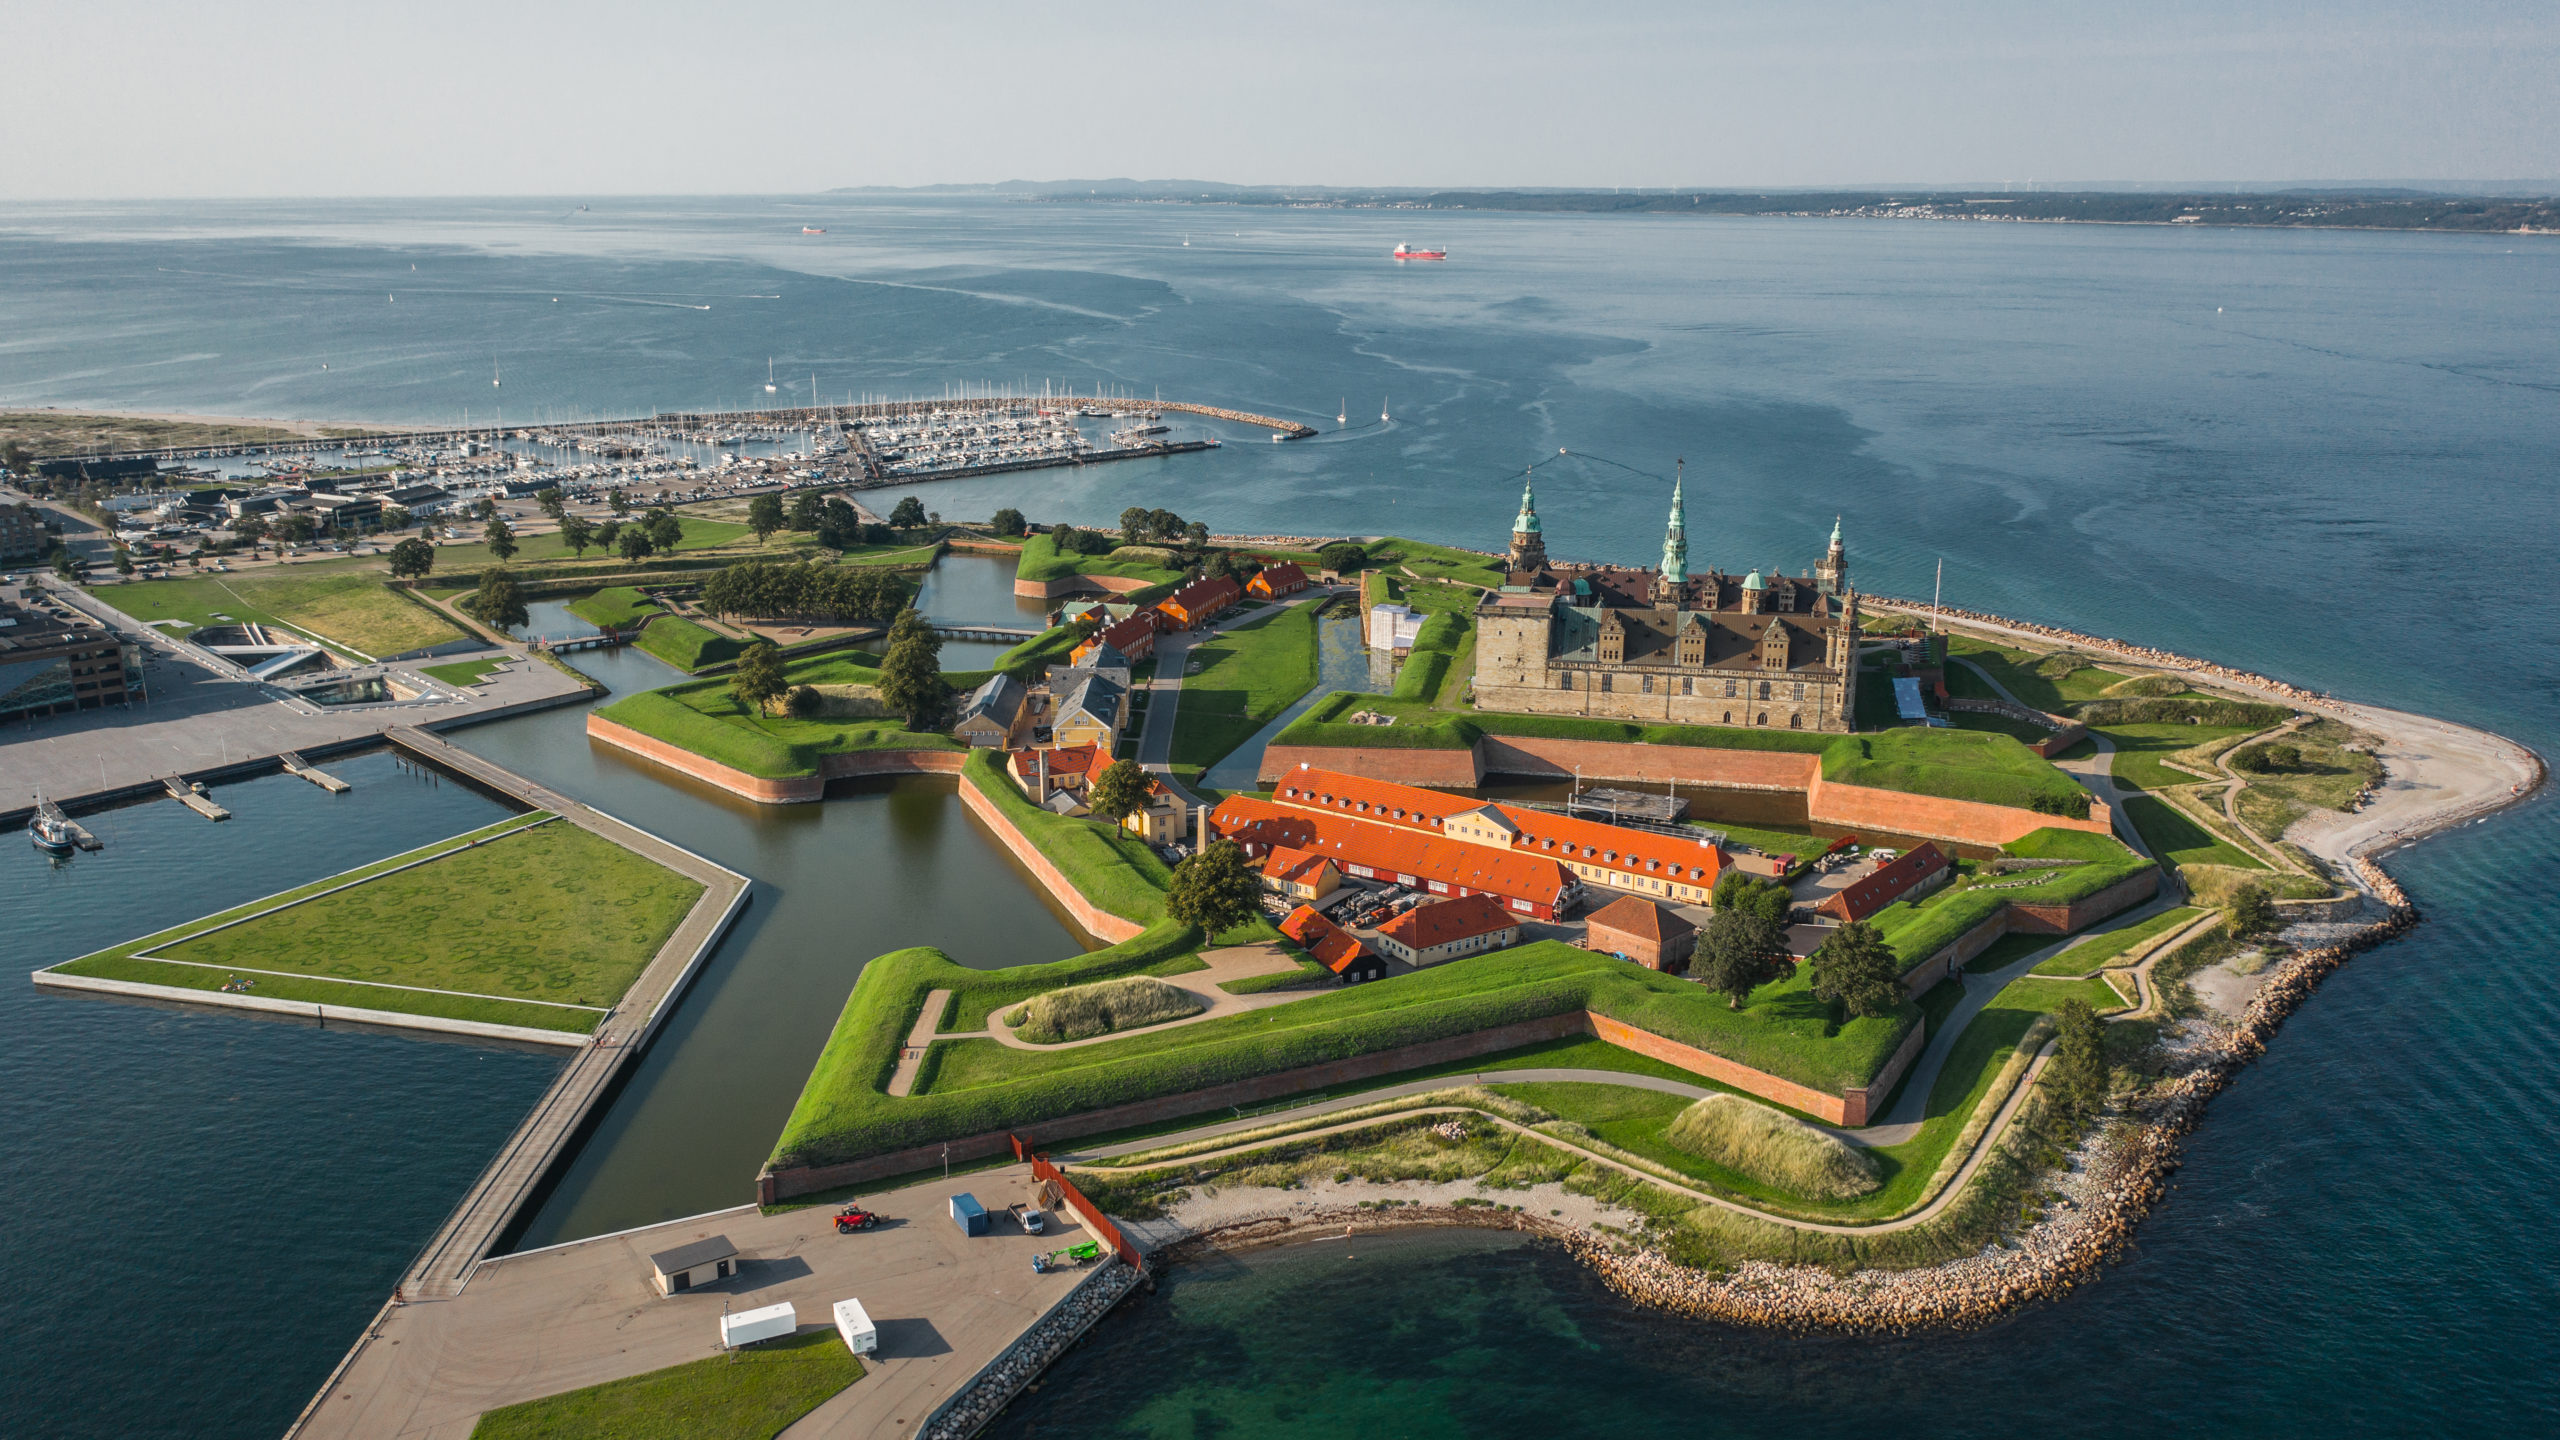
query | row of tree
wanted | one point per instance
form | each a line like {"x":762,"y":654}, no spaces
{"x":811,"y":591}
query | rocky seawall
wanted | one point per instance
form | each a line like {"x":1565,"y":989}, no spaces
{"x":967,"y":1412}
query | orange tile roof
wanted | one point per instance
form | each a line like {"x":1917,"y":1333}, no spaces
{"x":1280,"y":579}
{"x":1426,"y":927}
{"x":1331,"y":945}
{"x":1887,"y":884}
{"x":1345,"y":841}
{"x":1635,"y":915}
{"x":1286,"y":863}
{"x":1609,"y":847}
{"x":1064,"y":760}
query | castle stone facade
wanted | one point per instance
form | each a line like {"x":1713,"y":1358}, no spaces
{"x":1667,"y":646}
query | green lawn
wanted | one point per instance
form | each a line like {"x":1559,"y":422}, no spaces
{"x":2179,"y":840}
{"x":699,"y":534}
{"x":352,"y":611}
{"x":1041,"y":561}
{"x":967,"y":1087}
{"x":617,"y":607}
{"x":1238,"y":682}
{"x":687,"y":645}
{"x":1438,"y":562}
{"x":2098,"y":951}
{"x":1915,"y":932}
{"x":532,"y":912}
{"x":2048,"y":682}
{"x":2140,"y":749}
{"x":750,"y":1394}
{"x":464,"y":672}
{"x":1956,"y":764}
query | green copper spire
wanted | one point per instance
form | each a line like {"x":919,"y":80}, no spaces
{"x":1526,"y":523}
{"x":1675,"y":540}
{"x":1835,"y":532}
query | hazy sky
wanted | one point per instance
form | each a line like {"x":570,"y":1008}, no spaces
{"x":293,"y":97}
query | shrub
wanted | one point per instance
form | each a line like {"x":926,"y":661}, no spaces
{"x":1343,"y":557}
{"x":1776,"y":1150}
{"x":2231,"y":713}
{"x":1112,"y":1005}
{"x":2144,"y":687}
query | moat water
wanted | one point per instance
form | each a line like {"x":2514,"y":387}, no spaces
{"x":2321,"y":455}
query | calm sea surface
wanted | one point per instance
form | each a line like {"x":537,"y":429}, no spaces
{"x":2325,"y":456}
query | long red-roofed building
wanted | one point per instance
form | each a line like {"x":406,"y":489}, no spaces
{"x":1333,"y":947}
{"x":1900,"y":879}
{"x":1672,"y":867}
{"x":1531,"y":885}
{"x":1448,"y":929}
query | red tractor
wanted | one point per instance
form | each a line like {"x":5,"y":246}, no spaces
{"x":854,"y":1217}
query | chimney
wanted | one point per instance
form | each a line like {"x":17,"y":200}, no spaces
{"x":1204,"y":827}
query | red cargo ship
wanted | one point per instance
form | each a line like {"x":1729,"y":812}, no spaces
{"x":1402,"y":253}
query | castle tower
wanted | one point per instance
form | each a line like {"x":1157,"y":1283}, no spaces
{"x":1674,"y":574}
{"x":1832,"y":575}
{"x":1528,"y":538}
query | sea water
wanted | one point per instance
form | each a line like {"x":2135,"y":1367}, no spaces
{"x":2323,"y":455}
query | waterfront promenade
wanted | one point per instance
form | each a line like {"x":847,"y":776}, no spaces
{"x":583,"y":1313}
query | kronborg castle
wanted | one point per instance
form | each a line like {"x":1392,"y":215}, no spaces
{"x":1665,"y":645}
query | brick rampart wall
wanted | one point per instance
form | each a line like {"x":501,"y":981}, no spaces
{"x":797,"y":789}
{"x":1828,"y":1108}
{"x":1060,"y":589}
{"x":2080,"y":914}
{"x":1951,"y":959}
{"x":1448,"y":769}
{"x":1867,"y":1101}
{"x":1611,"y":760}
{"x":1093,"y":918}
{"x":1934,"y":817}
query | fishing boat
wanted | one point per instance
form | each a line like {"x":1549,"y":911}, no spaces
{"x":50,"y":831}
{"x":813,"y":229}
{"x":1407,"y":253}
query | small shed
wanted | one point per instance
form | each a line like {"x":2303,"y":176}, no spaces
{"x":699,"y":1263}
{"x":854,"y":1324}
{"x":746,"y":1327}
{"x":968,"y":1214}
{"x":1644,"y":932}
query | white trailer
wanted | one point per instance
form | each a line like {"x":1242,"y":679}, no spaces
{"x":746,"y":1327}
{"x":854,"y":1324}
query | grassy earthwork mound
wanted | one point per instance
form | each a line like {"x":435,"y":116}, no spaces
{"x":1774,"y":1149}
{"x":1080,"y":1011}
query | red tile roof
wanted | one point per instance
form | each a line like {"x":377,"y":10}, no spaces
{"x":1635,"y":915}
{"x":1065,"y":760}
{"x":1202,"y":596}
{"x":1331,"y":945}
{"x":1279,"y":579}
{"x":1426,"y":927}
{"x":1292,"y":865}
{"x":1608,"y":847}
{"x":1453,"y":863}
{"x":1889,"y":883}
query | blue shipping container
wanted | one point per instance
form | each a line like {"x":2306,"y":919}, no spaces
{"x":968,"y":1214}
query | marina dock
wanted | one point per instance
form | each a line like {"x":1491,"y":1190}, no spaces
{"x":187,"y":795}
{"x":294,"y":764}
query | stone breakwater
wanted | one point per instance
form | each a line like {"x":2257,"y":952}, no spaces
{"x":2145,"y":654}
{"x":994,"y":1387}
{"x":2105,"y":1198}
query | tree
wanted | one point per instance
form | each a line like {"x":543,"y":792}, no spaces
{"x":759,"y":679}
{"x":802,"y":514}
{"x":1164,"y":524}
{"x":1343,"y":557}
{"x":665,"y":530}
{"x":1008,"y":521}
{"x":498,"y":604}
{"x":840,"y":526}
{"x":620,"y":501}
{"x":486,"y":508}
{"x":1854,"y":969}
{"x":249,"y":529}
{"x":911,"y":673}
{"x":395,"y":517}
{"x":908,"y":515}
{"x":1223,"y":565}
{"x":1118,"y":792}
{"x":633,"y":541}
{"x":577,"y":534}
{"x":501,"y":538}
{"x":412,"y":558}
{"x":2249,"y":912}
{"x":1133,"y":524}
{"x":298,"y":529}
{"x":764,"y":516}
{"x":553,"y":503}
{"x":124,"y":560}
{"x":16,"y":458}
{"x":1214,"y":889}
{"x":805,"y":702}
{"x":1744,"y":945}
{"x":1196,"y":532}
{"x":2077,"y":1079}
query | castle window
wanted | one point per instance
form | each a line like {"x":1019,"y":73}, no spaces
{"x":1688,"y":685}
{"x":1565,"y":681}
{"x":1764,"y":690}
{"x":1763,"y":720}
{"x":1799,"y":689}
{"x":1604,"y":683}
{"x":1648,"y":684}
{"x":1795,"y":722}
{"x":1728,"y":717}
{"x":1731,"y":689}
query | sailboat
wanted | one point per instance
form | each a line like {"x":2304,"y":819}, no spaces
{"x":1343,"y":417}
{"x":768,"y":375}
{"x":1186,"y":242}
{"x":1382,"y":412}
{"x":493,"y":374}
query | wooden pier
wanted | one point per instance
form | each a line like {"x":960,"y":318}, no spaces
{"x":80,"y":836}
{"x":187,"y":796}
{"x":294,"y":764}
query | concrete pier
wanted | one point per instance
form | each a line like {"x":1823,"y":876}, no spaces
{"x":186,"y":795}
{"x":294,"y":764}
